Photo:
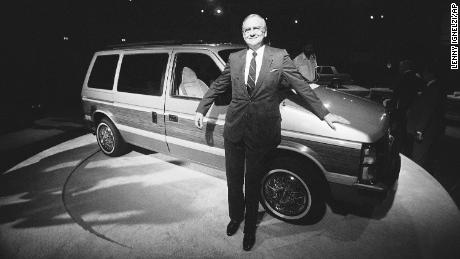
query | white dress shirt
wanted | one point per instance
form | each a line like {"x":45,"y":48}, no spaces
{"x":260,"y":54}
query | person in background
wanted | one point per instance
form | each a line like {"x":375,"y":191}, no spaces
{"x":403,"y":96}
{"x":306,"y":63}
{"x":425,"y":122}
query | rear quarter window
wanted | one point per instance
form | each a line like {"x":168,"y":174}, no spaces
{"x":103,"y":72}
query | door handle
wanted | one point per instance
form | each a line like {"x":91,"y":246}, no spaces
{"x":173,"y":118}
{"x":154,"y":117}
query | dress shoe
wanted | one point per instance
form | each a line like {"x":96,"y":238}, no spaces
{"x":249,"y":240}
{"x":232,"y":227}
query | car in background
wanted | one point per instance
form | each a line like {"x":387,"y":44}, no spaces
{"x":330,"y":76}
{"x":19,"y":111}
{"x":146,"y":95}
{"x":452,"y":108}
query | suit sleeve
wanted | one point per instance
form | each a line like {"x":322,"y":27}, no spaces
{"x":219,"y":86}
{"x":407,"y":92}
{"x":292,"y":76}
{"x":430,"y":101}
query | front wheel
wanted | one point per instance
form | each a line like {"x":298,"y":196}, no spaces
{"x":292,"y":191}
{"x":109,"y":139}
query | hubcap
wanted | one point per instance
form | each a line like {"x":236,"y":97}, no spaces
{"x":105,"y":138}
{"x":286,"y":194}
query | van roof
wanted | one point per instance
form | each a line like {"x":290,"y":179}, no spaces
{"x":172,"y":43}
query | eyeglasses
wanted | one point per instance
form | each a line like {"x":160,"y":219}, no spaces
{"x":257,"y":29}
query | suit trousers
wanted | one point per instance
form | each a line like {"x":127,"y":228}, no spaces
{"x":244,"y":166}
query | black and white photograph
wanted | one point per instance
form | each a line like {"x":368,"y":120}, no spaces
{"x":230,"y":129}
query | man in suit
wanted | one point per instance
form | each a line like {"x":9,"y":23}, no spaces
{"x":253,"y":121}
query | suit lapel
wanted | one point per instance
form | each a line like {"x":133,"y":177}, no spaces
{"x":240,"y":69}
{"x":266,"y":62}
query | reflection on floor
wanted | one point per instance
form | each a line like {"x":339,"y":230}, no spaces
{"x":148,"y":205}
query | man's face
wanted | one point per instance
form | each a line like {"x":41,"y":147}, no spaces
{"x":254,"y":32}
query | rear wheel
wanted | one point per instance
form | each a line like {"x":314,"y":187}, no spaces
{"x":109,"y":139}
{"x":292,"y":191}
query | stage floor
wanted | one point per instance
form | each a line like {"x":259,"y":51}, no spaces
{"x":145,"y":205}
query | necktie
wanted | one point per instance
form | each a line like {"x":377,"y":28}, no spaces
{"x":252,"y":73}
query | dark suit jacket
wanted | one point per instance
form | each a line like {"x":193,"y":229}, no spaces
{"x":406,"y":91}
{"x":257,"y":117}
{"x":426,"y":114}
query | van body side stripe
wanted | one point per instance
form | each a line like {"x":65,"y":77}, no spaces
{"x":140,"y":132}
{"x":196,"y":146}
{"x":173,"y":140}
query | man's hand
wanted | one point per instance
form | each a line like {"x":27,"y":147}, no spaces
{"x":199,"y":120}
{"x":330,"y":118}
{"x":418,"y":136}
{"x":386,"y":103}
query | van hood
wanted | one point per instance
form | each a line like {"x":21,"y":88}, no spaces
{"x":368,"y":120}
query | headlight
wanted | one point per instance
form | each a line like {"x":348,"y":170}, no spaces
{"x":368,"y":164}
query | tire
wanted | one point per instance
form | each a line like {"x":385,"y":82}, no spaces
{"x":393,"y":171}
{"x":293,"y":191}
{"x":109,"y":139}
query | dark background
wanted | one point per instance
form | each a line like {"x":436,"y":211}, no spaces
{"x":49,"y":44}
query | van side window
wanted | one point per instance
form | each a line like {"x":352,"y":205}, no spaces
{"x":103,"y":72}
{"x":143,"y":73}
{"x":193,"y":74}
{"x":225,"y":54}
